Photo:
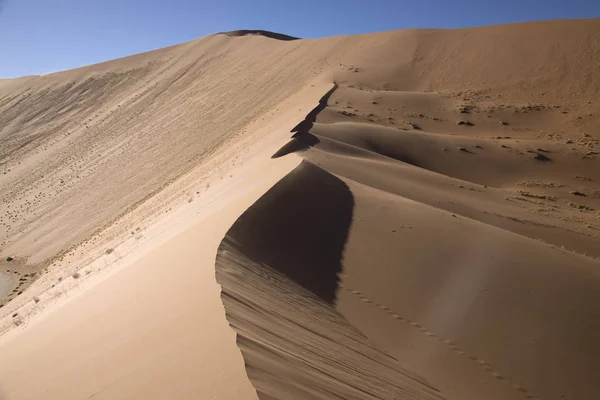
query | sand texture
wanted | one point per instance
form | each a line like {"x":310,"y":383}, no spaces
{"x":400,"y":215}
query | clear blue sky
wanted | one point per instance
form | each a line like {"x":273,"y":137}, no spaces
{"x":40,"y":36}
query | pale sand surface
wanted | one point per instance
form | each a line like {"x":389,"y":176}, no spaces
{"x":139,"y":334}
{"x":469,"y":253}
{"x":5,"y":284}
{"x":407,"y":256}
{"x":166,"y":337}
{"x":154,"y":330}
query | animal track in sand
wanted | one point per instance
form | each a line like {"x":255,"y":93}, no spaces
{"x":482,"y":363}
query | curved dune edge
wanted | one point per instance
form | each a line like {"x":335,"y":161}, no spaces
{"x":355,"y":242}
{"x":259,"y":32}
{"x":141,"y":314}
{"x":294,"y":342}
{"x":467,"y":276}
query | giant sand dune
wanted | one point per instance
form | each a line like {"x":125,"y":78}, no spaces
{"x":400,"y":215}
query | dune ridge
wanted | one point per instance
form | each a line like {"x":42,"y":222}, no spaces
{"x":458,"y":171}
{"x":246,"y":32}
{"x":464,"y":254}
{"x":294,"y":342}
{"x":76,"y":132}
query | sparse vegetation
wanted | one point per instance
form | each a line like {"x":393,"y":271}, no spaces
{"x":466,"y":123}
{"x":9,"y":259}
{"x":540,"y":184}
{"x":76,"y":275}
{"x":581,"y":207}
{"x":543,"y":197}
{"x":109,"y":251}
{"x":533,"y":107}
{"x":577,"y":193}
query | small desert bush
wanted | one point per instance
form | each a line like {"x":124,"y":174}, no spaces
{"x":581,"y":207}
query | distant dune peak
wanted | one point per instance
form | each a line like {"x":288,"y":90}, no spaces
{"x":259,"y":32}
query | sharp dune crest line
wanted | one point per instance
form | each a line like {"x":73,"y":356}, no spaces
{"x":444,"y":178}
{"x":454,"y":214}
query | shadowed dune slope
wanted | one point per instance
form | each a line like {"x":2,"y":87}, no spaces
{"x":272,"y":35}
{"x":318,"y":254}
{"x":445,"y":219}
{"x":279,"y":286}
{"x":472,"y":253}
{"x":479,"y":312}
{"x":75,"y":140}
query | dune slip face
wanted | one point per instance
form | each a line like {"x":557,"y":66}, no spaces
{"x":278,"y":268}
{"x":431,"y":229}
{"x":443,"y":228}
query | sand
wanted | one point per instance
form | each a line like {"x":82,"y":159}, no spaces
{"x":5,"y":284}
{"x":438,"y":236}
{"x":134,"y":336}
{"x":458,"y":249}
{"x":163,"y":325}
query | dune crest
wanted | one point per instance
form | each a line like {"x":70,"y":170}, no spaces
{"x":464,"y":254}
{"x":259,"y":32}
{"x":438,"y":236}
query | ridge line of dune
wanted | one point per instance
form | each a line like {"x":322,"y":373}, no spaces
{"x":259,"y":32}
{"x":223,"y":294}
{"x":231,"y":262}
{"x":116,"y":131}
{"x":302,"y":131}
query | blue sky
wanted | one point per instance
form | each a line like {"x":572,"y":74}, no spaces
{"x":40,"y":36}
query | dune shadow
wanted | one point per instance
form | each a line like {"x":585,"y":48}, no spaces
{"x":299,"y":142}
{"x":302,"y":138}
{"x":300,"y":228}
{"x":542,"y":157}
{"x":311,"y":117}
{"x":259,"y":32}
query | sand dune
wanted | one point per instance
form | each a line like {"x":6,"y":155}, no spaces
{"x":457,"y":249}
{"x":259,"y":32}
{"x":440,"y":238}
